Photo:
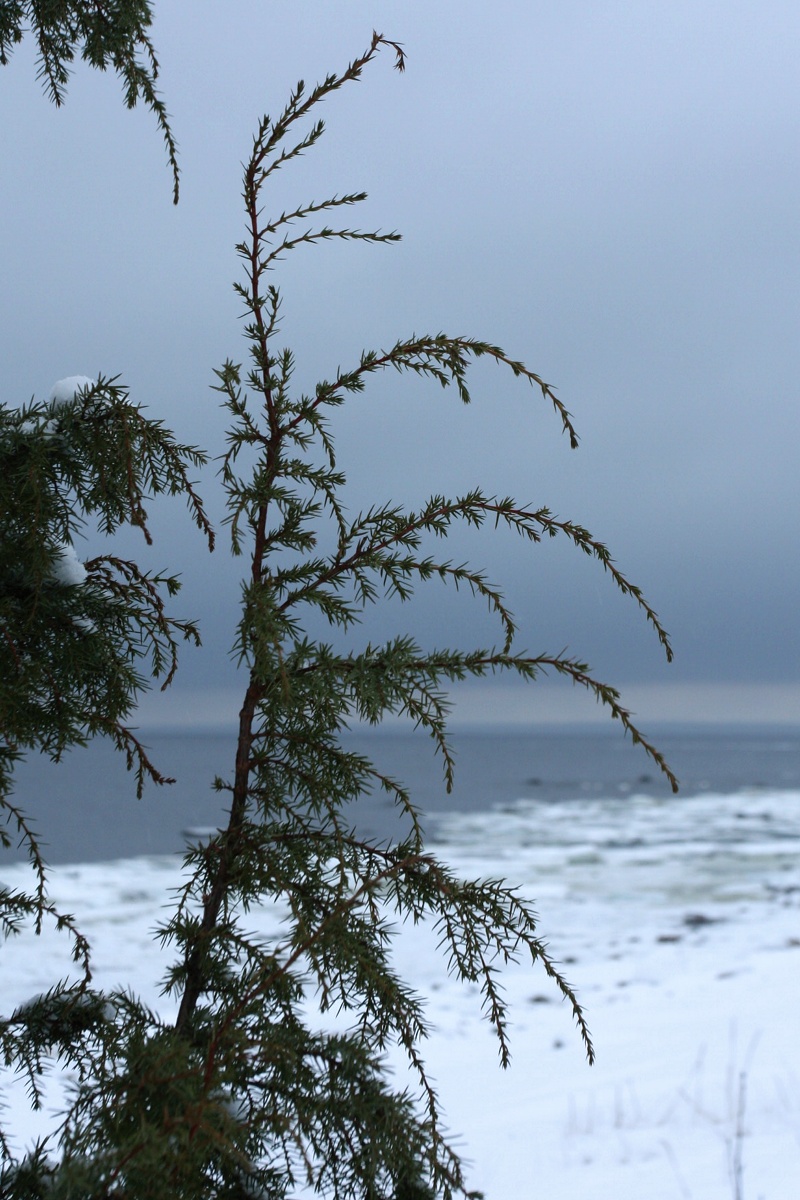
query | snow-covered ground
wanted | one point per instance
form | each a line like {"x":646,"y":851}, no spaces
{"x":678,"y":921}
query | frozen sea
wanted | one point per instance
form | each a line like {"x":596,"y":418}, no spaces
{"x":85,"y":810}
{"x":677,"y":919}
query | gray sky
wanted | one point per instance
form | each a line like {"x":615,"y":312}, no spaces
{"x":609,"y":190}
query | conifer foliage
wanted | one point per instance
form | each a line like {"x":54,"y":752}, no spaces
{"x":267,"y":1077}
{"x":104,"y":33}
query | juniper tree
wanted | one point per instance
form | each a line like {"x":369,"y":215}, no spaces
{"x":244,"y":1086}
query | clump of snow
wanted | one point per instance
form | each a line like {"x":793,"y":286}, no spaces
{"x":65,"y":390}
{"x":68,"y":570}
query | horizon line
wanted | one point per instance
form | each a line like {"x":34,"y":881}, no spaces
{"x":515,"y":705}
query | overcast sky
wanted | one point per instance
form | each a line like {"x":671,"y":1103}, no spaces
{"x":610,"y":190}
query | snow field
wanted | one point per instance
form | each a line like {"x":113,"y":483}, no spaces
{"x":682,"y":939}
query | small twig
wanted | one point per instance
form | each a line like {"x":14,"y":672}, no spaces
{"x":737,"y":1146}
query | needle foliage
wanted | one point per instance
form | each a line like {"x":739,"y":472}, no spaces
{"x":102,"y":33}
{"x":265,"y":1075}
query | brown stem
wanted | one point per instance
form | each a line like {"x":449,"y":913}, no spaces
{"x":228,"y":850}
{"x":229,"y":843}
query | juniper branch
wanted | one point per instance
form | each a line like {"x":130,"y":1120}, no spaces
{"x":104,"y":35}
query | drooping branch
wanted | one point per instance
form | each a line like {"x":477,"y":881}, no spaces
{"x":103,"y":35}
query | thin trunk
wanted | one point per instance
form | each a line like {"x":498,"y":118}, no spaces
{"x":228,"y":851}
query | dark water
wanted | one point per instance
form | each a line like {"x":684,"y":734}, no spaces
{"x":85,"y":809}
